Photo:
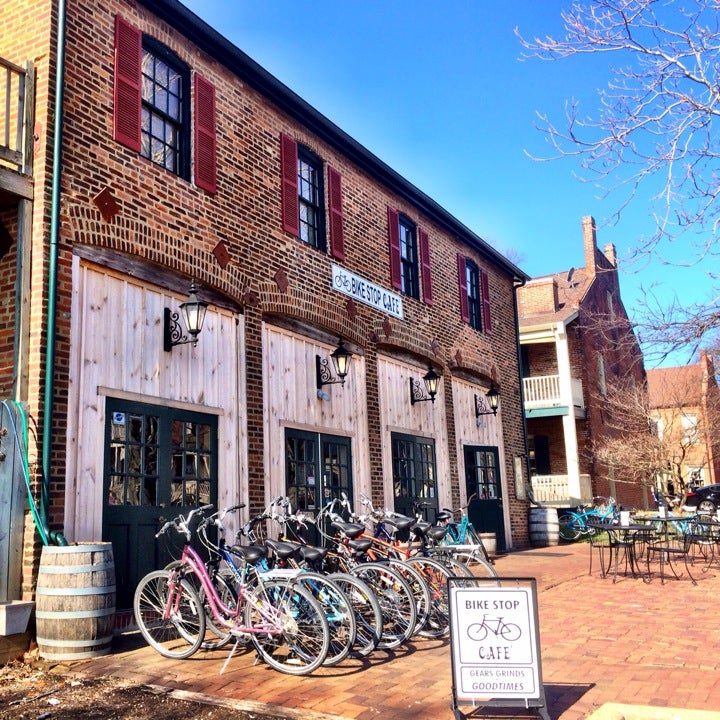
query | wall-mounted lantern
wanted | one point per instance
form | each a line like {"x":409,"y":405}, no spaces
{"x":418,"y":394}
{"x":193,"y":313}
{"x":340,"y":357}
{"x":487,"y":405}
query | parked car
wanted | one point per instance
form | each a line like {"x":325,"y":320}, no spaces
{"x":704,"y":499}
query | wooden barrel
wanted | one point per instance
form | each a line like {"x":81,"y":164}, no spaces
{"x":75,"y":601}
{"x":543,"y":526}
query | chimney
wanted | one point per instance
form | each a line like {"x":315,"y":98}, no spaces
{"x":610,"y":254}
{"x":589,"y":243}
{"x":538,"y":296}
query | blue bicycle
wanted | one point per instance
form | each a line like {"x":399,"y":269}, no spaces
{"x":574,"y":524}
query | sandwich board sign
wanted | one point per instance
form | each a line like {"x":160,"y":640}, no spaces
{"x":495,"y":644}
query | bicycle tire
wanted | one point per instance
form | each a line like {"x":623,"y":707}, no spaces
{"x":420,"y":589}
{"x":475,"y":564}
{"x":436,"y":576}
{"x":302,"y":644}
{"x":338,"y":612}
{"x":368,"y":613}
{"x":178,"y":636}
{"x":396,"y":602}
{"x":571,"y":526}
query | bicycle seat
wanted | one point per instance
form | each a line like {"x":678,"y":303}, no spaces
{"x":250,"y":553}
{"x":361,"y":544}
{"x":400,"y":522}
{"x":312,"y":553}
{"x":443,"y":515}
{"x":351,"y":530}
{"x":282,"y":549}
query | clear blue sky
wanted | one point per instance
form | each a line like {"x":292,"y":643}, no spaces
{"x":437,"y":91}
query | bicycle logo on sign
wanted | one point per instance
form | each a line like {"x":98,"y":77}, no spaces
{"x":497,"y":626}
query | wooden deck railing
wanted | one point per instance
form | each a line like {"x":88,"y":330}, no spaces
{"x":17,"y":100}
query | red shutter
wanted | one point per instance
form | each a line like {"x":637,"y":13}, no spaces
{"x":337,"y":242}
{"x":485,"y":289}
{"x":462,"y":289}
{"x":127,"y":97}
{"x":205,"y":135}
{"x":394,"y":241}
{"x":425,"y":266}
{"x":289,"y":180}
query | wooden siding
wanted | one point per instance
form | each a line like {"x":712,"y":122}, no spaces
{"x":291,"y":400}
{"x":117,"y":350}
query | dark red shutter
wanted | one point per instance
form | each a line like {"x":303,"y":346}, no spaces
{"x":289,"y":179}
{"x":425,"y":266}
{"x":337,"y":241}
{"x":394,"y":242}
{"x":127,"y":97}
{"x":205,"y":135}
{"x":485,"y":289}
{"x":462,"y":289}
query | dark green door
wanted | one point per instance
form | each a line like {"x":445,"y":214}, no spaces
{"x":318,"y":469}
{"x":484,"y":491}
{"x":159,"y":462}
{"x":414,"y":475}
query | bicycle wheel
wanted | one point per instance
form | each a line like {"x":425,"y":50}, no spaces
{"x":396,"y":601}
{"x":338,"y":612}
{"x":420,"y":590}
{"x":368,"y":613}
{"x":571,"y":526}
{"x":473,"y":564}
{"x":228,"y":596}
{"x":177,"y":633}
{"x":294,"y":635}
{"x":436,"y":576}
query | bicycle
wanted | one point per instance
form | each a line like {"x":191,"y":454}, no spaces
{"x":497,"y":626}
{"x":462,"y":535}
{"x":574,"y":524}
{"x":285,"y":623}
{"x":296,"y":553}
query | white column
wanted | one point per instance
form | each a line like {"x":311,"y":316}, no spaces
{"x":570,"y":436}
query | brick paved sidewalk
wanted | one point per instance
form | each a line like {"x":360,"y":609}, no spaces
{"x":630,"y":643}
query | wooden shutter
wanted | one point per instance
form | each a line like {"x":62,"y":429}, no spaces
{"x":337,"y":241}
{"x":127,"y":97}
{"x":394,"y":242}
{"x":462,"y":289}
{"x":424,"y":244}
{"x":289,"y":182}
{"x":485,"y":289}
{"x":205,"y":135}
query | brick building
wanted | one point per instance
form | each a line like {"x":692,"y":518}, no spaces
{"x":575,"y":340}
{"x":176,"y":158}
{"x":685,"y":404}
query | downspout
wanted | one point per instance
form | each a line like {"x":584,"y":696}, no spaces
{"x":55,"y":536}
{"x":520,"y":282}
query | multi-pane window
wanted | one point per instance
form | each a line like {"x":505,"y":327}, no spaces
{"x":414,"y":472}
{"x":159,"y":457}
{"x":310,"y":199}
{"x":165,"y":109}
{"x":408,"y":258}
{"x":473,"y":295}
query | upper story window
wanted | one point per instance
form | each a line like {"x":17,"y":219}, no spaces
{"x":160,"y":110}
{"x":474,"y":292}
{"x":303,"y":198}
{"x":311,"y":199}
{"x":165,"y":134}
{"x":691,"y":434}
{"x":409,"y":257}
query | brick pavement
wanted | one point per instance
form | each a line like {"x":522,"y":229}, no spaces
{"x":630,"y":643}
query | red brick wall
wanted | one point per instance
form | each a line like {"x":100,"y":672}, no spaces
{"x":170,"y":222}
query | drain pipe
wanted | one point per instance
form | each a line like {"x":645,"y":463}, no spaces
{"x":55,"y":536}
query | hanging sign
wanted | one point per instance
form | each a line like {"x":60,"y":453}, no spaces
{"x":495,"y":642}
{"x":366,"y":292}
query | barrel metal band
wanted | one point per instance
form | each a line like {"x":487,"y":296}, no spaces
{"x":102,"y":590}
{"x":74,"y":643}
{"x":60,"y":614}
{"x":67,"y":569}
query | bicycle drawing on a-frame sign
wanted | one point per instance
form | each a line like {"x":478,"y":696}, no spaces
{"x":496,"y":626}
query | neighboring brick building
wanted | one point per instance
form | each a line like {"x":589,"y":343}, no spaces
{"x":685,"y":403}
{"x":575,"y":338}
{"x":180,"y":158}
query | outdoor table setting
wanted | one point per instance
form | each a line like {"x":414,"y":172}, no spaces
{"x":619,"y":540}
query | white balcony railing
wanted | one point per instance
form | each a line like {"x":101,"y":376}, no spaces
{"x":554,"y":490}
{"x":544,"y":391}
